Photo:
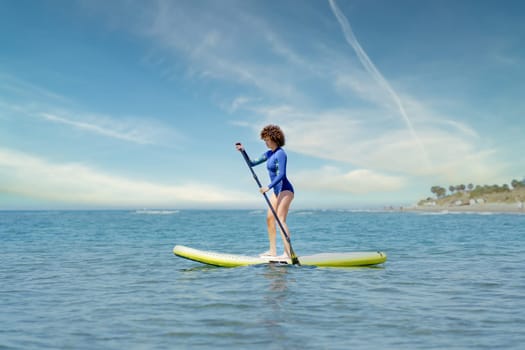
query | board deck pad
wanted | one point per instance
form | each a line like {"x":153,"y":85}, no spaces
{"x":324,"y":259}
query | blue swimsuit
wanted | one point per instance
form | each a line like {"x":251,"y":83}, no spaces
{"x":276,"y":165}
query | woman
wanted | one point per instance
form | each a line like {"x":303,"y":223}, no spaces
{"x":283,"y":192}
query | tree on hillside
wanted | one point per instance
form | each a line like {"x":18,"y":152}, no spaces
{"x":478,"y":191}
{"x":438,"y":191}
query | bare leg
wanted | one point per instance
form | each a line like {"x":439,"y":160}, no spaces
{"x":283,"y":205}
{"x":270,"y":221}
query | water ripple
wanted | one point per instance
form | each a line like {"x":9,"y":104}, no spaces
{"x":108,"y":280}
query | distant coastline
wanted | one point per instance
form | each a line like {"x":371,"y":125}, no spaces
{"x":498,"y":199}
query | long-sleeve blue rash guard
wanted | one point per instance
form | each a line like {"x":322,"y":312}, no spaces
{"x":276,"y":165}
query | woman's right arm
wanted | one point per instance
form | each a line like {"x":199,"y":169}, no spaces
{"x":253,"y":162}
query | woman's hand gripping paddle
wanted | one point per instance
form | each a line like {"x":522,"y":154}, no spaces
{"x":295,"y":259}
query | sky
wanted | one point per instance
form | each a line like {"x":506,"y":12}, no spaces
{"x":138,"y":104}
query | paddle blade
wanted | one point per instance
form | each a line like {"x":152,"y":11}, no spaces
{"x":295,"y":259}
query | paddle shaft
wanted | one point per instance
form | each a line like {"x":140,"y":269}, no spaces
{"x":294,"y":258}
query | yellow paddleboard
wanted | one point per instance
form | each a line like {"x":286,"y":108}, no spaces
{"x":323,"y":259}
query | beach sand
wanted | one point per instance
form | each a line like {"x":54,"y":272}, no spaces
{"x":517,"y":207}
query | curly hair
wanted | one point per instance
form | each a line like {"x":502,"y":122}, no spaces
{"x":274,"y":133}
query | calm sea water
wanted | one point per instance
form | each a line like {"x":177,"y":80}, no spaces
{"x":108,"y":280}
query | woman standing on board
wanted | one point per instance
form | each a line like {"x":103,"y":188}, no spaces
{"x":283,"y":192}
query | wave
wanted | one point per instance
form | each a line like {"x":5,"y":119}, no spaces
{"x":156,"y":212}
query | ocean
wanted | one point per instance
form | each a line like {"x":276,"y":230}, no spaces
{"x":109,"y":280}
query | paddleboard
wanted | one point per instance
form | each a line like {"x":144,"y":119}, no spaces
{"x":322,"y":260}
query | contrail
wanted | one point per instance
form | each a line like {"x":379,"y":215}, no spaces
{"x":376,"y":75}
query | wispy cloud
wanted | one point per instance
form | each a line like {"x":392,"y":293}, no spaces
{"x":23,"y":99}
{"x":376,"y":75}
{"x":136,"y":130}
{"x":35,"y":177}
{"x":359,"y":181}
{"x":347,"y":136}
{"x":219,"y":43}
{"x":15,"y":87}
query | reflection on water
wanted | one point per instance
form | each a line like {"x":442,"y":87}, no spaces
{"x":276,"y":274}
{"x":275,"y":297}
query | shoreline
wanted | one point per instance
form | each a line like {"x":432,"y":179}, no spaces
{"x":515,"y":208}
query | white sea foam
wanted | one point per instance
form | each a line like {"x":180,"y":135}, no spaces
{"x":156,"y":212}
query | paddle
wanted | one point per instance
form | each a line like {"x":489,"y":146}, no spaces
{"x":295,"y":259}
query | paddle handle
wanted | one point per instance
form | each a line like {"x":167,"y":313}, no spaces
{"x":294,"y":258}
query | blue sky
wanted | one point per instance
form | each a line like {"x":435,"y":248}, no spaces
{"x":138,"y":104}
